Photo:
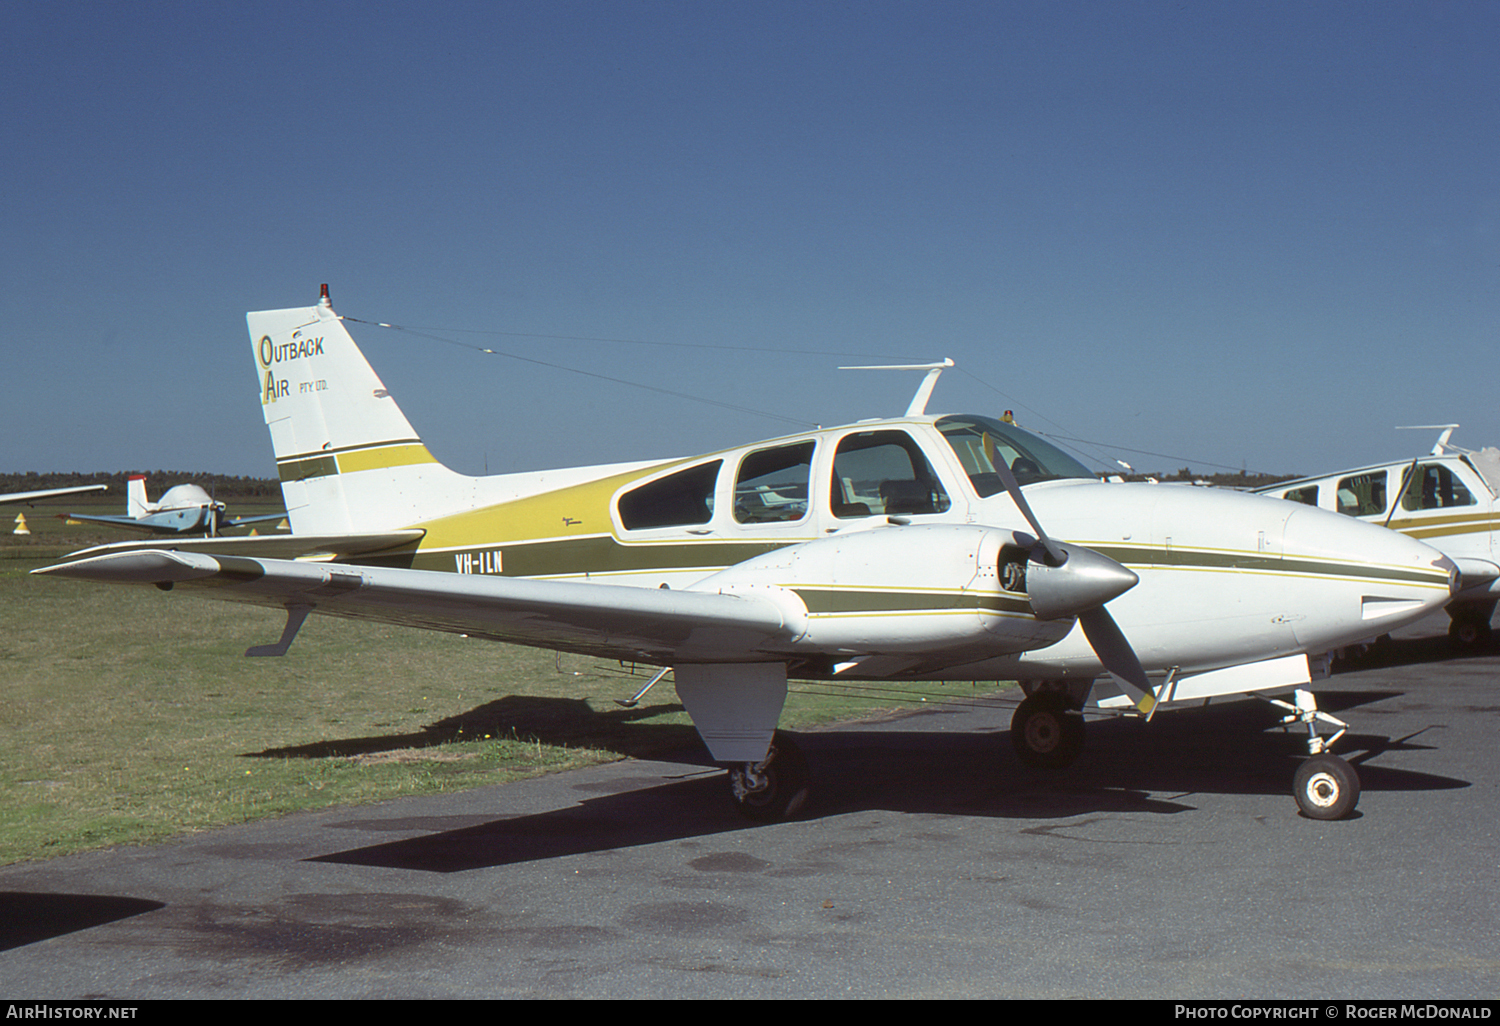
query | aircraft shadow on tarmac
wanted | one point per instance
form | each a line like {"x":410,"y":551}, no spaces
{"x":1127,"y":766}
{"x":903,"y":766}
{"x":26,"y":918}
{"x":1389,"y":652}
{"x":556,"y":721}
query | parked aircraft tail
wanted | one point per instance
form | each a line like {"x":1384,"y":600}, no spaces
{"x":136,"y":505}
{"x":347,"y":457}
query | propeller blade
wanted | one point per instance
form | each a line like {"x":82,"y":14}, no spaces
{"x":1118,"y":657}
{"x":1101,"y":573}
{"x":1055,"y":555}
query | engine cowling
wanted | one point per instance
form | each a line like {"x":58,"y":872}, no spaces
{"x":913,"y":589}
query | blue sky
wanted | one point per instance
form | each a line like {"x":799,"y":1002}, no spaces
{"x":1189,"y":233}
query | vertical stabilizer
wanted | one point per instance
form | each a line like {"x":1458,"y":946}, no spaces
{"x":136,"y":505}
{"x":347,"y":457}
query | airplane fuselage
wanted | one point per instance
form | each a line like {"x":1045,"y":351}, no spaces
{"x":1447,"y":499}
{"x":833,"y":518}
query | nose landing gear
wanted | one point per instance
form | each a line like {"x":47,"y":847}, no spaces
{"x":1326,"y":787}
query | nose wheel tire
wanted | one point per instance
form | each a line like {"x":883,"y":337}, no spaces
{"x":774,"y":788}
{"x":1326,"y":787}
{"x":1045,"y":733}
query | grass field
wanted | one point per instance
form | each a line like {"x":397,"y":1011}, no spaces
{"x":130,"y":715}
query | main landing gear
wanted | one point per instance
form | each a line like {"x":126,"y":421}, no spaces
{"x":774,"y":788}
{"x":1469,"y":623}
{"x":1047,"y":733}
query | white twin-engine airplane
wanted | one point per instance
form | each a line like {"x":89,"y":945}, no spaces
{"x":1449,"y":498}
{"x":916,"y":548}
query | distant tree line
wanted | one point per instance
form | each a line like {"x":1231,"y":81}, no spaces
{"x":220,"y":486}
{"x":1237,"y":479}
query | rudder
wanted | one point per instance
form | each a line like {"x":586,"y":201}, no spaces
{"x":347,"y":457}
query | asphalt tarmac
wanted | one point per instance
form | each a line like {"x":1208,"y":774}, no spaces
{"x":1169,"y":862}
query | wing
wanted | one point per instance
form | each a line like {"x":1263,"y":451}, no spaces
{"x":645,"y":624}
{"x":47,"y":493}
{"x":242,"y":521}
{"x":113,"y":520}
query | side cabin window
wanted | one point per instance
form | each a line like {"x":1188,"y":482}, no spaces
{"x":1433,"y":486}
{"x":677,"y":500}
{"x":1307,"y":496}
{"x":1362,"y":495}
{"x":884,"y":472}
{"x":772,"y":486}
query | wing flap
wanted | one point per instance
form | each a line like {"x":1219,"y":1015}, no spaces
{"x":597,"y":619}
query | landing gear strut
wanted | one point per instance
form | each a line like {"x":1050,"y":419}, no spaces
{"x":1326,"y":787}
{"x":774,"y":788}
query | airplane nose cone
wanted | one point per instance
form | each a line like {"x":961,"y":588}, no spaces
{"x":1085,"y":580}
{"x":1377,"y":579}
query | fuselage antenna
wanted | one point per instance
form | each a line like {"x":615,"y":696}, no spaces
{"x":918,"y":405}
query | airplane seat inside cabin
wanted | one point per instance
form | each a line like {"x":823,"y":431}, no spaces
{"x":1026,"y":470}
{"x":906,"y":497}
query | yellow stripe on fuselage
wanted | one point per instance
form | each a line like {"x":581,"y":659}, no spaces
{"x":384,"y":457}
{"x":381,"y":456}
{"x":1442,"y":527}
{"x":566,"y":513}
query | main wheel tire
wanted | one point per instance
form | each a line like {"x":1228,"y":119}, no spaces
{"x":775,"y":788}
{"x":1326,"y":787}
{"x":1468,"y":632}
{"x":1045,"y":733}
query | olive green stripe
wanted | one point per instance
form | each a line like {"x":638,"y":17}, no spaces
{"x":600,"y":554}
{"x":324,"y":463}
{"x":1191,"y":559}
{"x":301,"y":470}
{"x":1413,"y":529}
{"x":350,"y":448}
{"x":603,"y":554}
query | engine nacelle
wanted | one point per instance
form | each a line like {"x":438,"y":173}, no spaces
{"x":909,"y":589}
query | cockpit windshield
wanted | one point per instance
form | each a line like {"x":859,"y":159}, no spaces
{"x":981,"y":442}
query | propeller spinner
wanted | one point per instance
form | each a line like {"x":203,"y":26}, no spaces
{"x":1071,"y":580}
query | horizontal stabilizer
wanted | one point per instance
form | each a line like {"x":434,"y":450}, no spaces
{"x":274,"y":546}
{"x":47,"y":493}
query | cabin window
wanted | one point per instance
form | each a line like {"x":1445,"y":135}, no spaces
{"x":1362,"y":495}
{"x":677,"y":500}
{"x":1433,"y":486}
{"x":1307,"y":496}
{"x":772,"y":485}
{"x":884,"y":472}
